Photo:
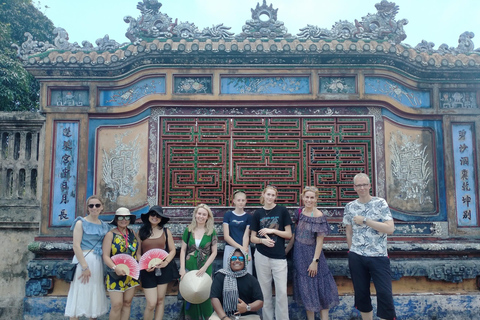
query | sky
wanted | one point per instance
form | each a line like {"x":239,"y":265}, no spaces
{"x":437,"y":21}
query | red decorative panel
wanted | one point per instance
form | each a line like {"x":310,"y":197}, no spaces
{"x":204,"y":159}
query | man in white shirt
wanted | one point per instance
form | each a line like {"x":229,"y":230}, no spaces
{"x":368,"y":220}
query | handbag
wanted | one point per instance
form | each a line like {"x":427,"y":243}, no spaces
{"x":72,"y":267}
{"x":113,"y":275}
{"x":172,"y":264}
{"x":70,"y":271}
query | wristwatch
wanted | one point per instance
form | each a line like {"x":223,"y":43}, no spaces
{"x":364,"y":220}
{"x":249,"y":308}
{"x":316,"y":260}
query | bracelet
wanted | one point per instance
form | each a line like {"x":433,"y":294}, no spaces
{"x":85,"y":269}
{"x":225,"y":316}
{"x":114,"y":267}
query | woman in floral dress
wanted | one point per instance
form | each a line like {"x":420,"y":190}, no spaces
{"x":120,"y":286}
{"x":313,"y":284}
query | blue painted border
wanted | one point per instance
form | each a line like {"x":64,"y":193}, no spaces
{"x":132,"y":93}
{"x":406,"y":96}
{"x":65,"y":172}
{"x":470,"y":168}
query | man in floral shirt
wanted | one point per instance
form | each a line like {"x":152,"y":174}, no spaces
{"x":368,"y":220}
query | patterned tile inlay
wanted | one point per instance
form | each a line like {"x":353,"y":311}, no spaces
{"x":132,"y":93}
{"x":265,"y":85}
{"x":409,"y":97}
{"x":337,"y":85}
{"x":192,"y":85}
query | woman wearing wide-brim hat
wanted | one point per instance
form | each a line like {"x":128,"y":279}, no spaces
{"x":154,"y":235}
{"x":120,"y":286}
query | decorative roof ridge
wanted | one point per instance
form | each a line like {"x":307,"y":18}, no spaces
{"x":245,"y":49}
{"x":263,"y":25}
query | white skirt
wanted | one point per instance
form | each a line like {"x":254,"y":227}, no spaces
{"x":87,"y":299}
{"x":226,"y":253}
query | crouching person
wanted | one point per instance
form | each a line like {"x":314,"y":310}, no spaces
{"x":235,"y":293}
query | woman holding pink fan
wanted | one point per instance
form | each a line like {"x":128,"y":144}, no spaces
{"x":118,"y":242}
{"x":162,"y":269}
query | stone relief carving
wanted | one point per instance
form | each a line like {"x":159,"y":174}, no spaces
{"x":457,"y":99}
{"x":411,"y":169}
{"x":69,"y":98}
{"x":465,"y":45}
{"x":193,"y":85}
{"x":265,"y":85}
{"x":378,"y":26}
{"x":264,"y":24}
{"x":120,"y":167}
{"x":337,"y":85}
{"x":152,"y":154}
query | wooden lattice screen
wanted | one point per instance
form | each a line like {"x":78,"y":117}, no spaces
{"x":204,"y":159}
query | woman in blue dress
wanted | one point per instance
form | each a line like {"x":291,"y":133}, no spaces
{"x":313,"y":284}
{"x":87,"y":296}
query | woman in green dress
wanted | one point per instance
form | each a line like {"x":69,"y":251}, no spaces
{"x":199,"y":249}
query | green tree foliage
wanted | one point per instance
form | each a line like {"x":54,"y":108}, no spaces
{"x":19,"y":91}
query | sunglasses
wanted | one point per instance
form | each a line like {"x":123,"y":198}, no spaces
{"x":123,"y":218}
{"x":311,"y":188}
{"x":96,"y":205}
{"x":235,"y":258}
{"x":154,"y":214}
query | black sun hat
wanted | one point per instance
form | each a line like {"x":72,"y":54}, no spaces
{"x":158,"y":210}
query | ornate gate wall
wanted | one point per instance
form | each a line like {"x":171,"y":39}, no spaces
{"x":178,"y":117}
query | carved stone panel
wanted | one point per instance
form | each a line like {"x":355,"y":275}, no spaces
{"x":69,"y":98}
{"x":410,"y":167}
{"x":337,"y":85}
{"x":458,"y":100}
{"x":192,"y":85}
{"x":120,"y":166}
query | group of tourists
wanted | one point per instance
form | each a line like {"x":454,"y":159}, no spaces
{"x":235,"y":292}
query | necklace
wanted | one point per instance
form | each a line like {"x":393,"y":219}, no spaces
{"x":267,"y":211}
{"x":125,"y":236}
{"x":311,"y":213}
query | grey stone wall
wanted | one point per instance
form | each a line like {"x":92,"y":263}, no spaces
{"x":21,"y":154}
